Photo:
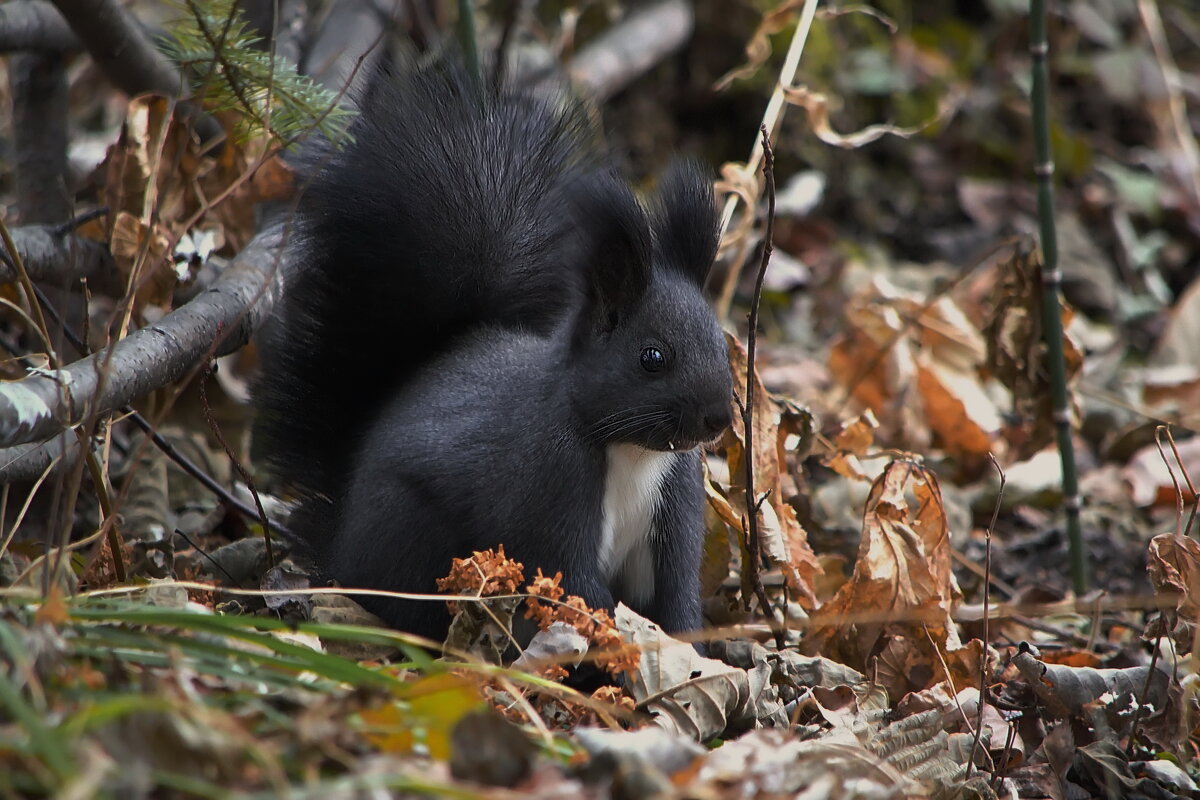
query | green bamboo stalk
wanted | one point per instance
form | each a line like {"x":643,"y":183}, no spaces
{"x":1052,"y":329}
{"x":466,"y":37}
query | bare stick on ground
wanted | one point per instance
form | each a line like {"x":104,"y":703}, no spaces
{"x":40,"y":406}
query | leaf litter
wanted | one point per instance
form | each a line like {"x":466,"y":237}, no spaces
{"x":878,"y":487}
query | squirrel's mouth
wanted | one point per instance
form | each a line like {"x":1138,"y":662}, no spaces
{"x":682,"y":444}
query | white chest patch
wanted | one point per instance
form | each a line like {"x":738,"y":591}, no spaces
{"x":632,"y":492}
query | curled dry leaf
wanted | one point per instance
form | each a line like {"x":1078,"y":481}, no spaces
{"x":157,"y":179}
{"x":853,"y":441}
{"x":898,"y":341}
{"x":745,"y":183}
{"x":775,"y":763}
{"x":816,"y":105}
{"x":902,"y":584}
{"x":1069,"y":692}
{"x":1174,"y":566}
{"x":783,"y":539}
{"x":1016,"y":351}
{"x":692,"y":695}
{"x":758,"y":49}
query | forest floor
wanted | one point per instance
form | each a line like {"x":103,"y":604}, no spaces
{"x":928,"y":634}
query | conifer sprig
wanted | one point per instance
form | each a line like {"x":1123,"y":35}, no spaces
{"x":229,"y":70}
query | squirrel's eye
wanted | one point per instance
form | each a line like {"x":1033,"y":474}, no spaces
{"x":653,"y":360}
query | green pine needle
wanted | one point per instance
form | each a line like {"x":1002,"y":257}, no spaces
{"x":229,"y":71}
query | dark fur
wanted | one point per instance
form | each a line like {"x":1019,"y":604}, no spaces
{"x":461,"y":341}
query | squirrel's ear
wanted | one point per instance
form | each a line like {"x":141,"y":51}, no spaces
{"x":686,"y":224}
{"x":615,"y":236}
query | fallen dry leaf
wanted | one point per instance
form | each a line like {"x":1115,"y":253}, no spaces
{"x":783,"y":540}
{"x":1016,"y":350}
{"x":1152,"y":482}
{"x":902,"y":583}
{"x":1174,"y":566}
{"x":816,"y":105}
{"x":692,"y":695}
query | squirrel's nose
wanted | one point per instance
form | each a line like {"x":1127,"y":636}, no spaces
{"x":716,"y":418}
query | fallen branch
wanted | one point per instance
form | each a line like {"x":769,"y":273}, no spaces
{"x":52,"y":256}
{"x":26,"y":462}
{"x":124,"y":54}
{"x":35,"y":25}
{"x":42,"y":405}
{"x":631,"y":48}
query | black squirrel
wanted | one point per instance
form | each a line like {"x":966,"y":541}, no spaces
{"x":485,"y":338}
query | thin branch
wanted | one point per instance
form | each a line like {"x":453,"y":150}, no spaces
{"x":39,"y":100}
{"x":772,"y":118}
{"x":236,"y":462}
{"x":28,"y":461}
{"x":122,"y":51}
{"x":50,"y":256}
{"x":631,"y":48}
{"x":1141,"y":698}
{"x":753,"y":501}
{"x":40,"y":406}
{"x":987,"y":593}
{"x":35,"y":25}
{"x":291,"y":29}
{"x":1187,"y":529}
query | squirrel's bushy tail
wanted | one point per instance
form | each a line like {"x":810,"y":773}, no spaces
{"x":446,"y":211}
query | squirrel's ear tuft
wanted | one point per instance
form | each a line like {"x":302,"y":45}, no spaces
{"x":615,"y":236}
{"x":686,"y":224}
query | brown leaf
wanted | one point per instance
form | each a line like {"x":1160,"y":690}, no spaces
{"x":902,"y":584}
{"x":783,"y":540}
{"x":758,"y":49}
{"x":1153,"y":482}
{"x":1174,"y":566}
{"x":1016,"y":351}
{"x":816,"y":105}
{"x":157,"y":181}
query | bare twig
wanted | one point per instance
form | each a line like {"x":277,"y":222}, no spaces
{"x":1158,"y":434}
{"x":39,"y":406}
{"x":247,"y":478}
{"x":1187,"y":529}
{"x":1141,"y":699}
{"x":121,"y":50}
{"x":1187,"y":166}
{"x":51,"y":256}
{"x":772,"y":118}
{"x":753,"y":501}
{"x":34,"y":458}
{"x":31,"y":297}
{"x":39,"y":89}
{"x":291,"y":29}
{"x":987,"y":593}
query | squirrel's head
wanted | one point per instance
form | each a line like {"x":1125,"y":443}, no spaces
{"x":649,"y":363}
